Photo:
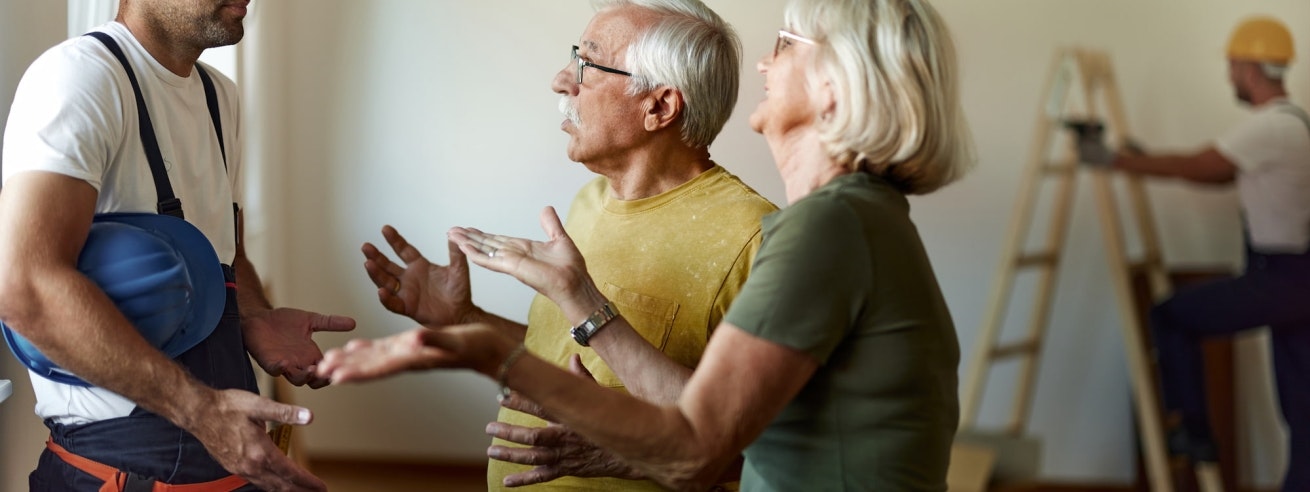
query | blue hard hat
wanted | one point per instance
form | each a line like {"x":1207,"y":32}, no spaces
{"x":160,"y":271}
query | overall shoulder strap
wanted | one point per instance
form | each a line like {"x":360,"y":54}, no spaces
{"x":168,"y":203}
{"x":211,"y":100}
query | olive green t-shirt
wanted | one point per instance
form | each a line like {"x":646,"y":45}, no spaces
{"x":671,"y":264}
{"x":842,"y":275}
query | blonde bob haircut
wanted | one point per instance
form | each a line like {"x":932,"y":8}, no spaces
{"x":891,"y":66}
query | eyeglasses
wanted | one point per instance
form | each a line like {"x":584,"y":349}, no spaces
{"x":785,"y":39}
{"x":584,"y":63}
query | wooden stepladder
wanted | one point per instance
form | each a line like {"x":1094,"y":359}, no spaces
{"x":1091,"y":72}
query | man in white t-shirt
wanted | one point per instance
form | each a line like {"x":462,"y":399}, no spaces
{"x":76,"y":146}
{"x":1267,"y":156}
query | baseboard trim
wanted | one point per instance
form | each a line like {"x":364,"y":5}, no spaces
{"x":1078,"y":487}
{"x":385,"y":465}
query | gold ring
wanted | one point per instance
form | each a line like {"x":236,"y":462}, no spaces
{"x":396,"y":289}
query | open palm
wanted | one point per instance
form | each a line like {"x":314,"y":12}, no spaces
{"x":431,"y":294}
{"x":553,"y":267}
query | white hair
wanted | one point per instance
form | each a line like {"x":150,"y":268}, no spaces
{"x":891,"y":65}
{"x":692,"y":50}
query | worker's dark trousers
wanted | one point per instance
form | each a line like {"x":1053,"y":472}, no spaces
{"x":144,"y":443}
{"x":1274,"y":292}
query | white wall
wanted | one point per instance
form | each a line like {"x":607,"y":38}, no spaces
{"x":429,"y":114}
{"x":27,"y":28}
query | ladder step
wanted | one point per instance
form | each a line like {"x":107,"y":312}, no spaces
{"x":1027,"y":347}
{"x":1059,"y":168}
{"x":1047,"y":259}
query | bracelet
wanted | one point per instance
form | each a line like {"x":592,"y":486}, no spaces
{"x":503,"y":375}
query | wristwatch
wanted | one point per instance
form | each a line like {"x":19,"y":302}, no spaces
{"x":588,"y":328}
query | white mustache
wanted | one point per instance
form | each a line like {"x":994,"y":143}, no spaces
{"x":569,"y":110}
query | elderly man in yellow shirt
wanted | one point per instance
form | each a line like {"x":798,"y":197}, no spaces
{"x":667,"y":233}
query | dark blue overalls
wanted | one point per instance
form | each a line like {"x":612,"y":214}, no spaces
{"x":147,"y":447}
{"x":1275,"y":292}
{"x":145,"y":444}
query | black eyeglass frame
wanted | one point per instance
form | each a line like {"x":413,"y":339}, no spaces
{"x":584,"y":63}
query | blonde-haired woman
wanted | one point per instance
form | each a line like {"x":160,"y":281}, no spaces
{"x":835,"y":369}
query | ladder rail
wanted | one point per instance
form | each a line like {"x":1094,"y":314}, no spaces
{"x":1002,"y":285}
{"x":1145,"y":400}
{"x":1147,"y":229}
{"x":1040,"y":317}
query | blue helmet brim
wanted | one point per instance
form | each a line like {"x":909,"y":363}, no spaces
{"x":204,"y":310}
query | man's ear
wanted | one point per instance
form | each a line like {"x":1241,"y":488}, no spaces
{"x":663,"y":107}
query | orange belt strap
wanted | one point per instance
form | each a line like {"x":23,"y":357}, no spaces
{"x":116,"y":479}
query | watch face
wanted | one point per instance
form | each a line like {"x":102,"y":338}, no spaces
{"x":579,"y":335}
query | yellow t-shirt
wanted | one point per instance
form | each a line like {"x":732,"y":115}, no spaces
{"x":671,"y":264}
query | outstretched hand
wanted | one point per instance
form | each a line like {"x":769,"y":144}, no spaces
{"x":555,"y":450}
{"x":281,"y":341}
{"x":553,"y":268}
{"x":478,"y":346}
{"x":428,"y":293}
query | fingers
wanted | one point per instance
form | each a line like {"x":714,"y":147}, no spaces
{"x":540,"y":474}
{"x":524,"y":456}
{"x":386,"y":276}
{"x":308,"y":376}
{"x":407,"y":252}
{"x":265,"y":410}
{"x":467,"y":244}
{"x":287,"y":474}
{"x":517,"y":402}
{"x":531,"y":436}
{"x":457,"y":258}
{"x":476,"y":243}
{"x":232,"y":430}
{"x":372,"y":254}
{"x":332,"y":359}
{"x":326,"y":322}
{"x":317,"y":381}
{"x":551,"y":224}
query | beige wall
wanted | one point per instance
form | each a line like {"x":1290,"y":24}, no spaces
{"x":429,"y":114}
{"x":27,"y":28}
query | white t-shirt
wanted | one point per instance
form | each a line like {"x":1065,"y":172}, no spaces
{"x":1271,"y":149}
{"x":75,"y":114}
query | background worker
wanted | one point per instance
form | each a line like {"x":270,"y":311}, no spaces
{"x":1267,"y":156}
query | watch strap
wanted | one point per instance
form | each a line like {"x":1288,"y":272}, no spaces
{"x":597,"y":320}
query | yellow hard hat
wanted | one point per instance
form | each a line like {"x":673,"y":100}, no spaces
{"x":1261,"y":39}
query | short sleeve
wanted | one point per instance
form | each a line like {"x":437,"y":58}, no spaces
{"x":808,"y":280}
{"x":1261,"y":139}
{"x":735,"y":280}
{"x":66,"y":117}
